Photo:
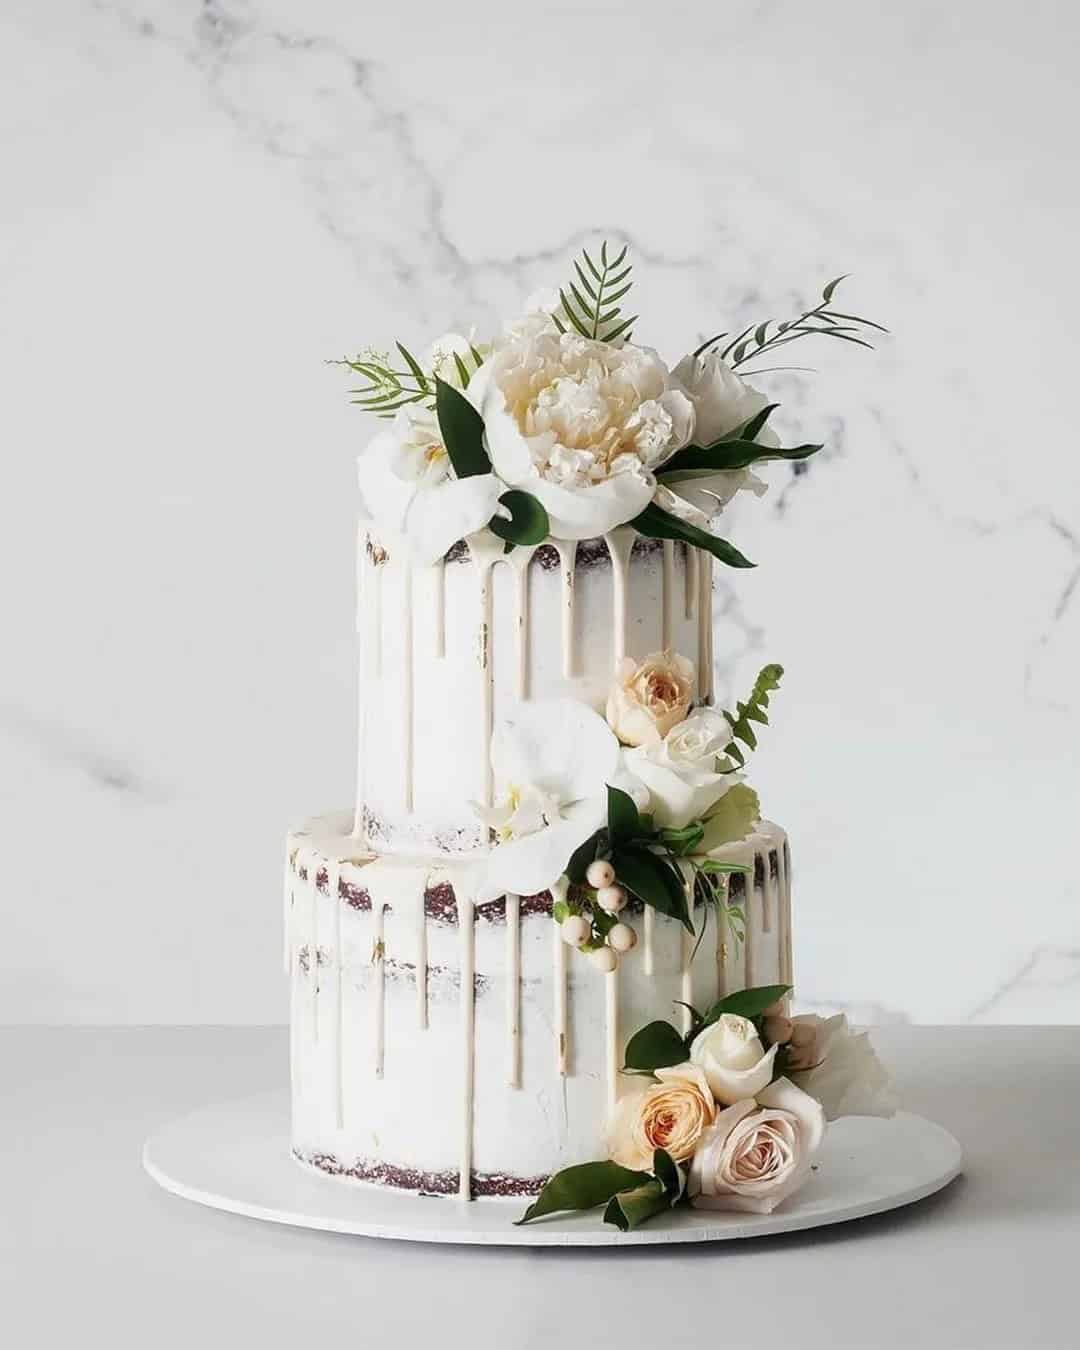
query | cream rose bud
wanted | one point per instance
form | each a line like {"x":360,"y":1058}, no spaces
{"x":650,"y":697}
{"x":671,"y":1114}
{"x":735,"y":1063}
{"x":757,"y":1153}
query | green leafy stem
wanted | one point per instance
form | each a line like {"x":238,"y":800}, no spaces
{"x":821,"y":320}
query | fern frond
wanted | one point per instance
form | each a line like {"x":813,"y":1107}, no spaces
{"x":590,"y":303}
{"x":753,"y":710}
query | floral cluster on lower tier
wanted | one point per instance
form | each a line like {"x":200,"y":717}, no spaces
{"x":728,"y":1116}
{"x":633,"y":803}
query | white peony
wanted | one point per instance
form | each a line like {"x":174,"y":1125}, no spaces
{"x":553,"y":761}
{"x":680,"y":771}
{"x":580,"y":424}
{"x":735,"y":1063}
{"x":757,"y":1153}
{"x":407,"y":488}
{"x":845,"y":1074}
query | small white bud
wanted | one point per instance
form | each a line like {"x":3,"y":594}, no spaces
{"x":604,"y":959}
{"x":622,"y":938}
{"x":611,"y":898}
{"x":600,"y":873}
{"x":575,"y":930}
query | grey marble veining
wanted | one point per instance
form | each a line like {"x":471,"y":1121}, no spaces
{"x":202,"y":202}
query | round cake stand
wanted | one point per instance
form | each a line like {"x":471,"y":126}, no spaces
{"x":235,"y":1156}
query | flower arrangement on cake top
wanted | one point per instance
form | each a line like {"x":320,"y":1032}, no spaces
{"x":563,"y":427}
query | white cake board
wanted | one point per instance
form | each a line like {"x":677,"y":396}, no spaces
{"x":235,"y":1156}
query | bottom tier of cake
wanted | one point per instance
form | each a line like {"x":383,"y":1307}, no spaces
{"x":451,"y":1048}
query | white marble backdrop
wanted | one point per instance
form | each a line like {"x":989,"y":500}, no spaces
{"x":198,"y":203}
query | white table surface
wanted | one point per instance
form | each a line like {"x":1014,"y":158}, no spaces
{"x":93,"y":1253}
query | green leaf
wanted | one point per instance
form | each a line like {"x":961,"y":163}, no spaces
{"x":528,"y":523}
{"x":619,"y":330}
{"x":666,"y":1170}
{"x":713,"y":866}
{"x":753,"y":710}
{"x":464,"y":374}
{"x":582,"y":1187}
{"x":724,"y":456}
{"x":655,"y":523}
{"x":462,"y":430}
{"x":751,"y":429}
{"x":624,"y":823}
{"x":748,"y":1003}
{"x":580,"y":859}
{"x":685,"y":840}
{"x":630,"y":1209}
{"x":560,"y":910}
{"x":827,"y":293}
{"x":654,"y":882}
{"x":656,"y":1046}
{"x":732,"y":818}
{"x":414,"y":365}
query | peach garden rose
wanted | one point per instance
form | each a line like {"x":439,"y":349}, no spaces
{"x":671,"y":1114}
{"x":650,"y":697}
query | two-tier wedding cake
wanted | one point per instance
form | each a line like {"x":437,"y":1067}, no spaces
{"x":549,"y":951}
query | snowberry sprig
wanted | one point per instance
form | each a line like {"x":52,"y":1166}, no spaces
{"x":588,"y":917}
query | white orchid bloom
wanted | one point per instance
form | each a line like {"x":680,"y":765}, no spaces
{"x":408,"y":490}
{"x":580,"y":424}
{"x":552,"y":761}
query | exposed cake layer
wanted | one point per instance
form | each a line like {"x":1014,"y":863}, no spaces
{"x":447,"y":651}
{"x":434,"y":1040}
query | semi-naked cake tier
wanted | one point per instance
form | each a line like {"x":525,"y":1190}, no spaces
{"x":444,"y":1046}
{"x":448,"y":651}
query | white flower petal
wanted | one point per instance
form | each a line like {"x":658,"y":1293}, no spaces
{"x":558,"y":745}
{"x":535,"y":862}
{"x":383,"y":495}
{"x":785,"y":1096}
{"x":439,"y":516}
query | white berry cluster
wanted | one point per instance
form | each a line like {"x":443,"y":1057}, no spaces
{"x":594,"y":933}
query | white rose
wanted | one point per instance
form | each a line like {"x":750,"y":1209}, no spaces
{"x":648,"y":698}
{"x":735,"y":1063}
{"x":757,"y":1153}
{"x":844,"y":1073}
{"x":722,"y":399}
{"x":407,"y":489}
{"x":580,"y":424}
{"x":671,"y":1114}
{"x":680,"y":771}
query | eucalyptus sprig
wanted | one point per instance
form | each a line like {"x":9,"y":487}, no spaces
{"x":590,"y":305}
{"x":821,"y":320}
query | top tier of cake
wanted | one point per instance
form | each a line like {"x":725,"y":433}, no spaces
{"x":448,"y":650}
